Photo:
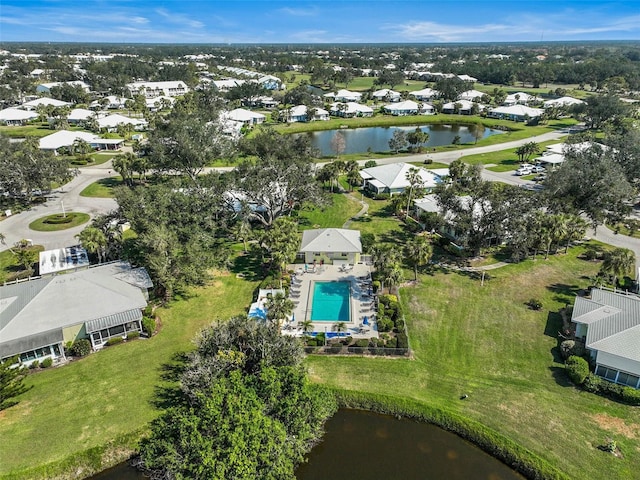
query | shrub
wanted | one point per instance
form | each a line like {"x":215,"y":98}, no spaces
{"x":370,"y":164}
{"x":631,"y":396}
{"x":335,"y":348}
{"x":33,"y":365}
{"x":114,"y":341}
{"x":399,"y":324}
{"x":362,"y":343}
{"x":376,"y":285}
{"x":46,"y":363}
{"x":391,"y":342}
{"x":403,"y":341}
{"x":388,"y":299}
{"x":591,"y":253}
{"x":577,"y":369}
{"x":148,"y":326}
{"x":80,"y":348}
{"x":347,"y":340}
{"x":592,"y":383}
{"x":148,"y":311}
{"x":534,"y":304}
{"x":133,"y":335}
{"x":311,"y":342}
{"x":385,"y":324}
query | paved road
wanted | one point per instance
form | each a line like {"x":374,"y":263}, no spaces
{"x":605,"y":235}
{"x":16,"y":227}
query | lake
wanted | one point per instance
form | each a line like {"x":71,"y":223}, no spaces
{"x":361,"y":445}
{"x":358,"y":140}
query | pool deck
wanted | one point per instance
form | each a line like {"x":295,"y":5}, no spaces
{"x":361,"y":303}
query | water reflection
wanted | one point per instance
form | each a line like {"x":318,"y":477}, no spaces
{"x":376,"y":139}
{"x":363,"y":446}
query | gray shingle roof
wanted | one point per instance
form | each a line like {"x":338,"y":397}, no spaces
{"x":331,"y":240}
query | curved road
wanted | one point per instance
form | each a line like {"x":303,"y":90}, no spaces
{"x":16,"y":227}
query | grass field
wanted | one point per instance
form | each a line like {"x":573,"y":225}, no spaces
{"x":41,"y":225}
{"x":333,"y":215}
{"x":572,"y":90}
{"x":484,"y":342}
{"x":114,"y":391}
{"x":504,"y":160}
{"x":9,"y":264}
{"x":103,"y":188}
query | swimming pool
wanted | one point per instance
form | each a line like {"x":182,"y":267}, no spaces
{"x":330,"y":302}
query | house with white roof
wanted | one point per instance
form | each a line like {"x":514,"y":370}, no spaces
{"x":350,"y":110}
{"x":15,"y":116}
{"x":111,"y":122}
{"x":519,"y":98}
{"x":156,"y":103}
{"x":269,"y":82}
{"x":34,"y":104}
{"x":38,"y":317}
{"x":66,"y":138}
{"x":555,"y":154}
{"x":80,"y":115}
{"x":609,"y":325}
{"x":344,"y":96}
{"x":110,"y":102}
{"x":425,"y":95}
{"x":228,"y":84}
{"x":517,"y":113}
{"x":157,"y":89}
{"x":246,"y":117}
{"x":392,"y":178}
{"x":471,"y":95}
{"x":299,"y":113}
{"x":562,"y":102}
{"x":331,"y":246}
{"x":386,"y":95}
{"x":408,"y":107}
{"x":467,"y":78}
{"x":463,"y":107}
{"x":46,"y":87}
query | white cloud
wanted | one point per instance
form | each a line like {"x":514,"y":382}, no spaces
{"x":445,"y":32}
{"x":179,"y":18}
{"x":299,"y":12}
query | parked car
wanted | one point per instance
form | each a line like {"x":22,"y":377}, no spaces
{"x":537,"y":169}
{"x":523,"y":171}
{"x":540,"y":177}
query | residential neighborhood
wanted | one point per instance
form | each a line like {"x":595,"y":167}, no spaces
{"x":242,"y":242}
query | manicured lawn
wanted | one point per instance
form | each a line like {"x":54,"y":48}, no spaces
{"x":503,"y":159}
{"x":112,"y":392}
{"x":484,"y":342}
{"x":341,"y":209}
{"x":387,"y":228}
{"x":572,"y":90}
{"x":9,"y":264}
{"x":100,"y":158}
{"x":103,"y":188}
{"x":41,"y":225}
{"x":37,"y":129}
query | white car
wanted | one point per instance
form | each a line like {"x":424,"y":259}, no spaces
{"x":537,"y":169}
{"x":524,"y":171}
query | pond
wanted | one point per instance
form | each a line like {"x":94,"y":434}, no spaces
{"x":359,"y":140}
{"x":361,"y":445}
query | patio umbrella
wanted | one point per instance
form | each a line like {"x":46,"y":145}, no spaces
{"x":365,"y":321}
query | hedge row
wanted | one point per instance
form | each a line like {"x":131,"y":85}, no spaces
{"x":577,"y":369}
{"x":498,"y":446}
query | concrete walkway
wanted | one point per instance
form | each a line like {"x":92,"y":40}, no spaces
{"x":363,"y":210}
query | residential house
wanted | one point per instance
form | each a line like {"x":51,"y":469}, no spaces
{"x":386,"y":95}
{"x":517,"y":113}
{"x":463,"y":107}
{"x":39,"y":317}
{"x":110,"y":102}
{"x":46,"y":87}
{"x":467,"y":78}
{"x":555,"y":154}
{"x":562,"y":102}
{"x":425,"y":95}
{"x":66,"y":138}
{"x":344,"y":96}
{"x":299,"y":113}
{"x":111,"y":122}
{"x":269,"y":82}
{"x":158,"y":89}
{"x":350,"y":110}
{"x":79,"y":115}
{"x":519,"y":98}
{"x":471,"y":95}
{"x":228,"y":84}
{"x":609,"y":324}
{"x":43,"y":101}
{"x":409,"y":107}
{"x":15,"y":117}
{"x":158,"y":103}
{"x":246,"y":117}
{"x":392,"y":178}
{"x":331,"y":246}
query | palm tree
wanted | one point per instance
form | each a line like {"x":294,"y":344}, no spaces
{"x":242,"y":231}
{"x":415,"y":182}
{"x":340,"y":327}
{"x":307,"y":325}
{"x":123,"y":164}
{"x":576,"y":228}
{"x":556,"y":226}
{"x":419,"y":251}
{"x":394,"y":276}
{"x":94,"y":241}
{"x":279,"y":307}
{"x":26,"y":258}
{"x":618,"y":262}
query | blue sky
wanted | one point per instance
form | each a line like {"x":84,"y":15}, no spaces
{"x":373,"y":21}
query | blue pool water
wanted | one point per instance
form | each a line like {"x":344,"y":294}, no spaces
{"x":330,"y":302}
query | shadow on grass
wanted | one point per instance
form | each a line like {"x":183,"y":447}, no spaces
{"x":169,"y":394}
{"x":564,"y":293}
{"x":560,"y":376}
{"x":554,"y":325}
{"x":248,"y":265}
